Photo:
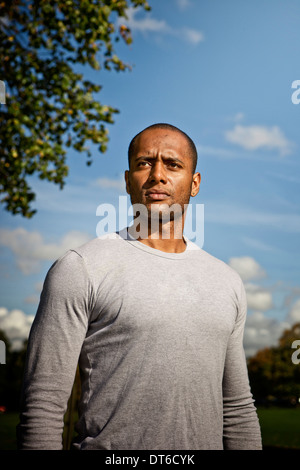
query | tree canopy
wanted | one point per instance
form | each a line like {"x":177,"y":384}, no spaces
{"x":272,"y":372}
{"x":49,"y":106}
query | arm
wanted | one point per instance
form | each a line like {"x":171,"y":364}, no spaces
{"x":54,"y":346}
{"x":241,"y":430}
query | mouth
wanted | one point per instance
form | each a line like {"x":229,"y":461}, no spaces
{"x":157,"y":195}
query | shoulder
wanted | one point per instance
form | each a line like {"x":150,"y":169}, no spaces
{"x":214,"y":266}
{"x":76,"y":270}
{"x":76,"y":259}
{"x":100,"y":248}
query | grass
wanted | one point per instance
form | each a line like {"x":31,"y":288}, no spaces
{"x":8,"y":423}
{"x":280,"y":428}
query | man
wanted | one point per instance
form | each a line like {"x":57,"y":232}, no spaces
{"x":155,"y":322}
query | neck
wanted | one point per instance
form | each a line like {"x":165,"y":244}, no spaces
{"x":168,"y":246}
{"x":165,"y":237}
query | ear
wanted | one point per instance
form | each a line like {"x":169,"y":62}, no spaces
{"x":127,"y":181}
{"x":195,"y":184}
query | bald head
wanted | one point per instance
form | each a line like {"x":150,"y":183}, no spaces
{"x":190,"y":143}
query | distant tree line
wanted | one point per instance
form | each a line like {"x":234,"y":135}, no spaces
{"x":274,"y":373}
{"x":11,"y":375}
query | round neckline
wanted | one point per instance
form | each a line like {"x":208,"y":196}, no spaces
{"x":154,"y":251}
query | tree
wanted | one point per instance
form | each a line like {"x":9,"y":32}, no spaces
{"x":272,"y":372}
{"x":11,"y":375}
{"x":49,"y":106}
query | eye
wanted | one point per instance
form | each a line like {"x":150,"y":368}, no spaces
{"x":173,"y":164}
{"x":143,"y":163}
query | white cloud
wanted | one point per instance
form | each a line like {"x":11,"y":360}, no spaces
{"x":16,"y":325}
{"x":145,"y":24}
{"x":261,"y":332}
{"x":30,"y":248}
{"x":110,"y":183}
{"x":257,"y":137}
{"x":3,"y":312}
{"x":192,"y":36}
{"x":294,"y":313}
{"x":150,"y":24}
{"x":258,"y":298}
{"x":183,"y":4}
{"x":247,"y":267}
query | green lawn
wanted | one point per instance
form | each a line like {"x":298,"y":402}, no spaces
{"x":8,"y":423}
{"x":280,"y":428}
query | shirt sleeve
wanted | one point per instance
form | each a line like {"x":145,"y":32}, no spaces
{"x":54,"y":346}
{"x":241,"y":429}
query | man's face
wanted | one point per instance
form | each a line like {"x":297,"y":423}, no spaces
{"x":161,"y":170}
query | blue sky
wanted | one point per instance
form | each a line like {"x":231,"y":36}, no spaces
{"x":223,"y":73}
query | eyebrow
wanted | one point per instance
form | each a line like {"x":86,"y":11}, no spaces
{"x":150,"y":157}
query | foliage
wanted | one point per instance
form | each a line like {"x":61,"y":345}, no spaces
{"x":272,"y":373}
{"x":49,"y":106}
{"x":11,"y":375}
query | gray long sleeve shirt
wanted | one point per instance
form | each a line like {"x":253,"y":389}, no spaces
{"x":159,"y":340}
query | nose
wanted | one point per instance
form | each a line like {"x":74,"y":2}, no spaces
{"x":158,"y":173}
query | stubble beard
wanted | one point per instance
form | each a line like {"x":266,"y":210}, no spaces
{"x":161,"y":220}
